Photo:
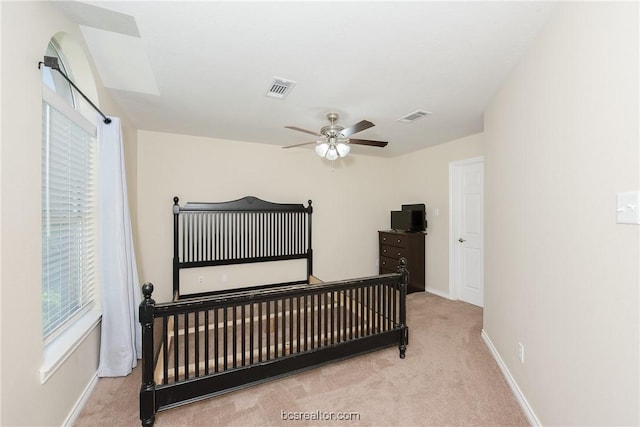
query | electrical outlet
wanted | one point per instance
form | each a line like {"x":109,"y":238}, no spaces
{"x":521,"y":352}
{"x":200,"y":280}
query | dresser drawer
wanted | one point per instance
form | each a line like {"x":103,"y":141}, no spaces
{"x":393,"y":252}
{"x":392,"y":239}
{"x":388,"y":265}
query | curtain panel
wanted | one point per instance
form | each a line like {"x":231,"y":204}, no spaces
{"x":121,"y":343}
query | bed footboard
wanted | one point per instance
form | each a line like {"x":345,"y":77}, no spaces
{"x":220,"y":343}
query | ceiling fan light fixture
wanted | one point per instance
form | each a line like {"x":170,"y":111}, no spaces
{"x":332,"y":153}
{"x":322,"y":148}
{"x":343,"y":148}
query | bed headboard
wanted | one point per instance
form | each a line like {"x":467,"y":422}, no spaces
{"x":246,"y":230}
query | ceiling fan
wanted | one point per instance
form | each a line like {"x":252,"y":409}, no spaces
{"x":334,"y":139}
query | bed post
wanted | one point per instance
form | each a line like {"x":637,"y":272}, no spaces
{"x":148,"y":387}
{"x":404,"y":330}
{"x":176,"y":255}
{"x":309,"y":249}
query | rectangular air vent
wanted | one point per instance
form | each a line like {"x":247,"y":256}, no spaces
{"x":280,"y":88}
{"x":418,"y":114}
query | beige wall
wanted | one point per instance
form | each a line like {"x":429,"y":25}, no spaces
{"x":561,"y":138}
{"x":26,"y":28}
{"x":423,"y":177}
{"x":349,"y":198}
{"x":352,"y":200}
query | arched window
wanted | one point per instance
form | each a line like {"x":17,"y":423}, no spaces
{"x":53,"y":80}
{"x":69,"y":216}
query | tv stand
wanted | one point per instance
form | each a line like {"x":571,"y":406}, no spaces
{"x":396,"y":244}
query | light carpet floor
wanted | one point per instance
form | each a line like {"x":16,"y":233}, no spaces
{"x":448,"y":378}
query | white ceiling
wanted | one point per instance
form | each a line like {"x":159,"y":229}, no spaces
{"x":203,"y":68}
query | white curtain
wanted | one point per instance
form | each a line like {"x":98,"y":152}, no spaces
{"x":121,"y":343}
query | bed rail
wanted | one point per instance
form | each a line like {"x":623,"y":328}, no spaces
{"x":215,"y":344}
{"x":246,"y":230}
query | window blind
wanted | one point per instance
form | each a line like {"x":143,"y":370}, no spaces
{"x":69,"y":223}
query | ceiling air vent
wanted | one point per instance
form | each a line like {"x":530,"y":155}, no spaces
{"x":418,"y":114}
{"x":280,"y":88}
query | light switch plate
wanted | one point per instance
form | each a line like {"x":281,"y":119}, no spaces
{"x":628,"y":207}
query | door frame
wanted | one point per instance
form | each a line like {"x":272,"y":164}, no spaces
{"x":454,"y":280}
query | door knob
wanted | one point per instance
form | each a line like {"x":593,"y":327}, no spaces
{"x":461,"y":240}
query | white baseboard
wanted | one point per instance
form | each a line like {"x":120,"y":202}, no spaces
{"x":75,"y":411}
{"x":522,"y":400}
{"x":438,"y":293}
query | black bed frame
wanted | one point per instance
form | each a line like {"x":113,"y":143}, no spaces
{"x":201,"y":345}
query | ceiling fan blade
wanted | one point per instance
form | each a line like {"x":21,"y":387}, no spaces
{"x":298,"y":145}
{"x":358,"y":127}
{"x":368,"y":142}
{"x":303,"y":130}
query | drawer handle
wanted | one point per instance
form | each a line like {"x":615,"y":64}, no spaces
{"x":384,"y":251}
{"x":398,"y":240}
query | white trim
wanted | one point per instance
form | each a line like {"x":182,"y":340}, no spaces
{"x":438,"y":293}
{"x":454,"y":292}
{"x":82,"y":400}
{"x":522,"y":400}
{"x":60,"y":348}
{"x":453,"y":283}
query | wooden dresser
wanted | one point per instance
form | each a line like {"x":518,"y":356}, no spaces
{"x":396,"y":244}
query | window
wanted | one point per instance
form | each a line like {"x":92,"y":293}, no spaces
{"x":54,"y":81}
{"x":69,"y":218}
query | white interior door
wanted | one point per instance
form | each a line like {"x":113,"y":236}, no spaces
{"x":467,"y":230}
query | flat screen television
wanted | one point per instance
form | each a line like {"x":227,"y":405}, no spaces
{"x":411,"y":218}
{"x":401,"y":220}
